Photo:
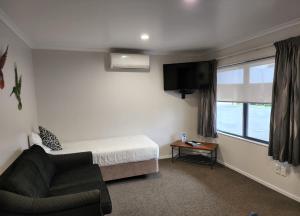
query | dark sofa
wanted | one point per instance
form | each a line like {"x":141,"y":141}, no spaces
{"x":54,"y":185}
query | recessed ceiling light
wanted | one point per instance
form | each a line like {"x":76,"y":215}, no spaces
{"x":145,"y":37}
{"x":124,"y":56}
{"x":190,"y":3}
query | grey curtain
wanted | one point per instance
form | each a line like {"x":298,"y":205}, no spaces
{"x":207,"y":106}
{"x":285,"y":119}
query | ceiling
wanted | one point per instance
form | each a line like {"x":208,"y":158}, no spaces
{"x":173,"y":25}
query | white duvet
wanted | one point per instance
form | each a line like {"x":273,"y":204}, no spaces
{"x":115,"y":150}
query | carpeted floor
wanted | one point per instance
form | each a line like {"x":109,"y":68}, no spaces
{"x":188,"y":189}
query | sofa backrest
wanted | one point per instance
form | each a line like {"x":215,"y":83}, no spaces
{"x":30,"y":175}
{"x":42,"y":161}
{"x":25,"y":179}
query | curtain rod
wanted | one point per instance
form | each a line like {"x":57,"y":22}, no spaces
{"x":248,"y":61}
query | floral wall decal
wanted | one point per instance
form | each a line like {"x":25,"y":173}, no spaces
{"x":2,"y":63}
{"x":17,"y":88}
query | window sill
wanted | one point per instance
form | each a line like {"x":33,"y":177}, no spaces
{"x":244,"y":139}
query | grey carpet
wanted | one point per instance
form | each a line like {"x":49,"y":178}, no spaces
{"x":190,"y":189}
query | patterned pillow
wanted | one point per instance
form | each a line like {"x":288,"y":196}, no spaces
{"x":49,"y":139}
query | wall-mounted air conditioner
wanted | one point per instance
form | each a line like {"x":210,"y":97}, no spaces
{"x":129,"y":61}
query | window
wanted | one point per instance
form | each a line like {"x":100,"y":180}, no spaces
{"x":261,"y":73}
{"x":258,"y":121}
{"x":232,"y":76}
{"x":244,"y":95}
{"x":230,"y":117}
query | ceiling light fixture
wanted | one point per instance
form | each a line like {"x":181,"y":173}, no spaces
{"x":145,"y":37}
{"x":190,"y":3}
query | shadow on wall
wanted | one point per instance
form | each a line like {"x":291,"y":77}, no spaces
{"x":296,"y":170}
{"x":11,"y":159}
{"x":191,"y":99}
{"x":207,"y":139}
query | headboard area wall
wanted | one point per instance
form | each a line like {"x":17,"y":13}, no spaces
{"x":78,"y":99}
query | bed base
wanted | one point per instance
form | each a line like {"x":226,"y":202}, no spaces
{"x":125,"y":170}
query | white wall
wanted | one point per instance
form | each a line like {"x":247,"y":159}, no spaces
{"x":243,"y":156}
{"x":15,"y":124}
{"x":252,"y":160}
{"x":78,"y":99}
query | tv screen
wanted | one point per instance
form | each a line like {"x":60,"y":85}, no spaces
{"x":195,"y":75}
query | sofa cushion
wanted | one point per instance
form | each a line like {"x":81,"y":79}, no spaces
{"x":104,"y":198}
{"x":40,"y":158}
{"x":25,"y":179}
{"x":78,"y":175}
{"x":79,"y":180}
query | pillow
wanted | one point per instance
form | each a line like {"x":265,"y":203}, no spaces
{"x":49,"y":139}
{"x":35,"y":139}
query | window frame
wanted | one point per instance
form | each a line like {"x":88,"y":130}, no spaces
{"x":247,"y":65}
{"x":245,"y":123}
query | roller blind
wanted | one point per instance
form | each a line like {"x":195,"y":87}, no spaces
{"x":248,"y":82}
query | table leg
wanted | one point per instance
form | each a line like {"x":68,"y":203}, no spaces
{"x":211,"y":159}
{"x":216,"y":155}
{"x":172,"y":155}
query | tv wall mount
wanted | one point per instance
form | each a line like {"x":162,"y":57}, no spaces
{"x":184,"y":92}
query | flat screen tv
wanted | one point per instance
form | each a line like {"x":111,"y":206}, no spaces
{"x":187,"y":77}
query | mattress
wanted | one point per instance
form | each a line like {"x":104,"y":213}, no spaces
{"x":116,"y":150}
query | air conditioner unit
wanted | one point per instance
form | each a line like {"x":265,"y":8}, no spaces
{"x":129,"y":61}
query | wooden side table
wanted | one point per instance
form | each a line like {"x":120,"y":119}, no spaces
{"x":210,"y":148}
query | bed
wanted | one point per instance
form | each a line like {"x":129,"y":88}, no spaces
{"x":119,"y":157}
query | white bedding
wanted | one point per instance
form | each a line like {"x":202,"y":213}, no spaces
{"x":115,"y":150}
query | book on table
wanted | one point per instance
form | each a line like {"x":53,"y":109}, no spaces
{"x":193,"y":143}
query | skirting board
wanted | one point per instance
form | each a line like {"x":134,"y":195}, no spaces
{"x":267,"y":184}
{"x":165,"y":157}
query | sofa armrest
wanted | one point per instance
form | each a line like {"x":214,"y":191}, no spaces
{"x":67,"y":161}
{"x":18,"y":204}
